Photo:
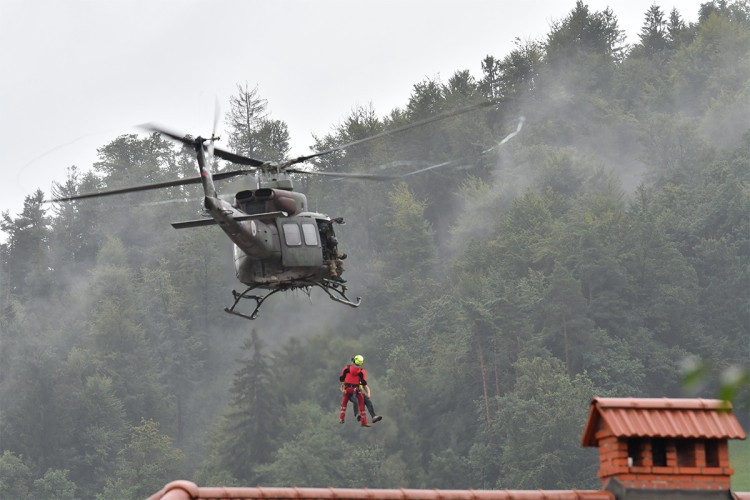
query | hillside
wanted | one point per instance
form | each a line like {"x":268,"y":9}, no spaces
{"x":598,"y":251}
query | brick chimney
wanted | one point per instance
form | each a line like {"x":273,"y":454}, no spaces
{"x":663,"y":448}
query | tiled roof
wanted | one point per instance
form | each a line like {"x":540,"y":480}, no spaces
{"x":185,"y":490}
{"x":662,"y":417}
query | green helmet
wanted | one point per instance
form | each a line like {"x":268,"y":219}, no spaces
{"x":358,"y":360}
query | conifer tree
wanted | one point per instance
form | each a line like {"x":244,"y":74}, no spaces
{"x":26,"y":252}
{"x":249,"y":425}
{"x":252,"y":133}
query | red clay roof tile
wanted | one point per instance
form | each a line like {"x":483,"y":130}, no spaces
{"x":185,"y":490}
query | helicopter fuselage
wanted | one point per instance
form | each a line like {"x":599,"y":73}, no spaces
{"x":277,"y":243}
{"x":293,"y":258}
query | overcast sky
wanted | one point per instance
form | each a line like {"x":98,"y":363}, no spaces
{"x":78,"y":73}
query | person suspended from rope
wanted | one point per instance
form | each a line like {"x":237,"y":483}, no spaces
{"x":352,"y":377}
{"x":368,"y":404}
{"x":366,"y":394}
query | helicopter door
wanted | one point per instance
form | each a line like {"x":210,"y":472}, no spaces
{"x":300,"y":242}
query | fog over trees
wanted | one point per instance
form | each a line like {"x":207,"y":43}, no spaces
{"x":592,"y":253}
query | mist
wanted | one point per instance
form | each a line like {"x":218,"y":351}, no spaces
{"x":583,"y":236}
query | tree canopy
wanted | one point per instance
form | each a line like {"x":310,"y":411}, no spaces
{"x":505,"y":285}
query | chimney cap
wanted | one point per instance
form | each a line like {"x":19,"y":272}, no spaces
{"x":662,"y":417}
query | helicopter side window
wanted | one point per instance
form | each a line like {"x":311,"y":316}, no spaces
{"x":311,"y":234}
{"x":292,"y":234}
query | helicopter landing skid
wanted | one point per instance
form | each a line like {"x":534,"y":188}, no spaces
{"x":331,"y":287}
{"x":335,"y":290}
{"x":259,"y":299}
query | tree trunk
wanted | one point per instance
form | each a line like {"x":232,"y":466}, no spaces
{"x":484,"y":389}
{"x":565,"y":340}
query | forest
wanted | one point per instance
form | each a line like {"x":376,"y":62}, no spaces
{"x":602,"y":250}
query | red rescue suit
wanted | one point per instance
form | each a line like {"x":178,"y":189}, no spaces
{"x":352,"y":376}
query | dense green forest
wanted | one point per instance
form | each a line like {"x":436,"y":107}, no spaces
{"x":598,"y":251}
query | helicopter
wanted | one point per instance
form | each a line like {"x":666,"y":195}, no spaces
{"x":278,"y":243}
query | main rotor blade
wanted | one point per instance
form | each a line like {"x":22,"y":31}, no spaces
{"x":147,"y":187}
{"x":244,"y":160}
{"x":396,"y":130}
{"x":238,"y":159}
{"x":152,"y":127}
{"x":133,"y":189}
{"x":225,"y":155}
{"x":234,"y":173}
{"x":372,"y":177}
{"x":425,"y":169}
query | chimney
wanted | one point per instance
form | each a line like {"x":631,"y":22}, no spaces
{"x":663,"y":448}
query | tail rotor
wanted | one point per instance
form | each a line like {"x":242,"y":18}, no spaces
{"x":214,"y":137}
